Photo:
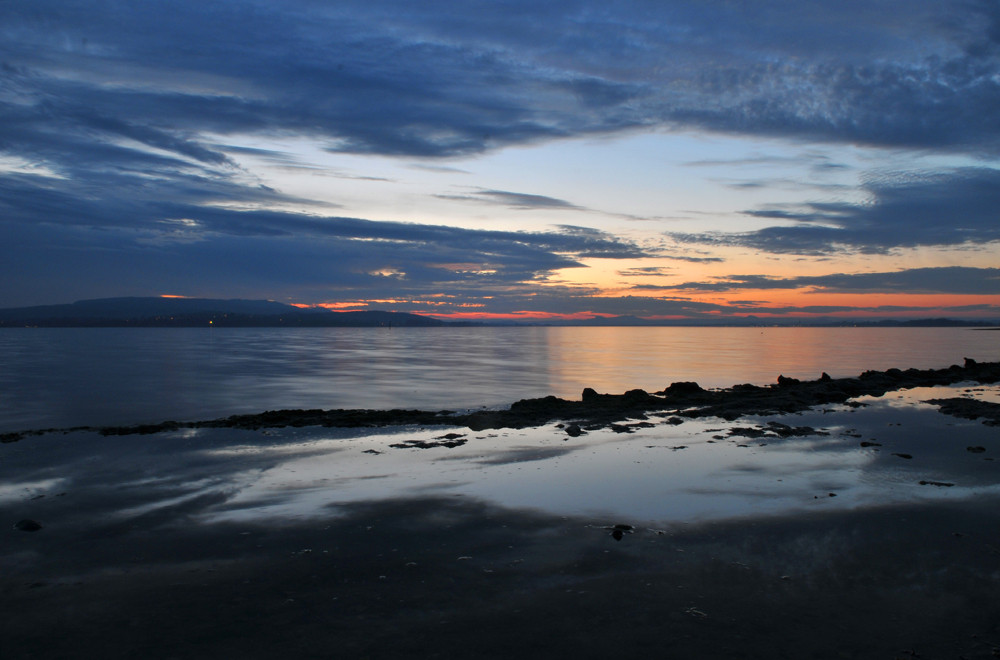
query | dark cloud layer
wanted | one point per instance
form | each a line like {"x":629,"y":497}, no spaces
{"x":180,"y":245}
{"x":947,"y":280}
{"x":459,"y":77}
{"x":953,"y":208}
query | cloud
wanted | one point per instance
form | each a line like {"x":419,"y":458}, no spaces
{"x":943,"y":280}
{"x":129,"y":119}
{"x":948,"y":208}
{"x":456,"y":78}
{"x":117,"y":237}
{"x":646,"y":271}
{"x":514,"y":200}
{"x":106,"y":88}
{"x":575,"y":302}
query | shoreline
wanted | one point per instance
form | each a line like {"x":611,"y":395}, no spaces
{"x":594,"y":411}
{"x":868,"y":530}
{"x":436,"y":577}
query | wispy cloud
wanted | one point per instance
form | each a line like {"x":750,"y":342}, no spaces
{"x":947,"y":208}
{"x":514,"y":200}
{"x":946,"y":280}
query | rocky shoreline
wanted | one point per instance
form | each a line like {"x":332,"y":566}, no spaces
{"x":594,"y":410}
{"x":876,"y":535}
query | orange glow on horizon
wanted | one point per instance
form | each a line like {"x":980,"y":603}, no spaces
{"x":514,"y":316}
{"x":332,"y":306}
{"x":765,"y":304}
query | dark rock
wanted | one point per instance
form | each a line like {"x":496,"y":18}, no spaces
{"x":906,"y":456}
{"x":975,"y":450}
{"x":866,"y":443}
{"x":683,"y":388}
{"x":544,"y":403}
{"x":775,"y":430}
{"x":970,"y":409}
{"x":27,"y":525}
{"x":11,"y":437}
{"x":620,"y":530}
{"x":786,"y":431}
{"x":594,"y":411}
{"x":943,"y":484}
{"x":747,"y":432}
{"x":638,"y":397}
{"x":574,"y":430}
{"x":456,"y":441}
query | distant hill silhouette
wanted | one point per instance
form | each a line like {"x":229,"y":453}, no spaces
{"x":194,"y":312}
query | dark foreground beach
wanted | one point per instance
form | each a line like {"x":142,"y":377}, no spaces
{"x":860,"y":527}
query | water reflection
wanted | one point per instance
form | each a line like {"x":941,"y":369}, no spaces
{"x":837,"y":458}
{"x":60,"y":377}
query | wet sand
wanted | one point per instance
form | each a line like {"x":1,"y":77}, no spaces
{"x":440,"y":578}
{"x":863,"y":529}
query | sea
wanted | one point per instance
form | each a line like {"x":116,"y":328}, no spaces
{"x":66,"y":377}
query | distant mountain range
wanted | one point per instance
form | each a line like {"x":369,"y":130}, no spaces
{"x":197,"y":312}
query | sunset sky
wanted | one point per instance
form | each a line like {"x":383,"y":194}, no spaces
{"x":476,"y":159}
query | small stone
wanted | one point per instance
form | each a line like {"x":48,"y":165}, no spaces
{"x":27,"y":525}
{"x":975,"y":450}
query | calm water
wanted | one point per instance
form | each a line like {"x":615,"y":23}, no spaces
{"x":82,"y":376}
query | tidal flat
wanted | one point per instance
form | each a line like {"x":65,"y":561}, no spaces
{"x":862,"y":528}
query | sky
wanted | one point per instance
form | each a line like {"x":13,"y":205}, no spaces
{"x":506,"y":160}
